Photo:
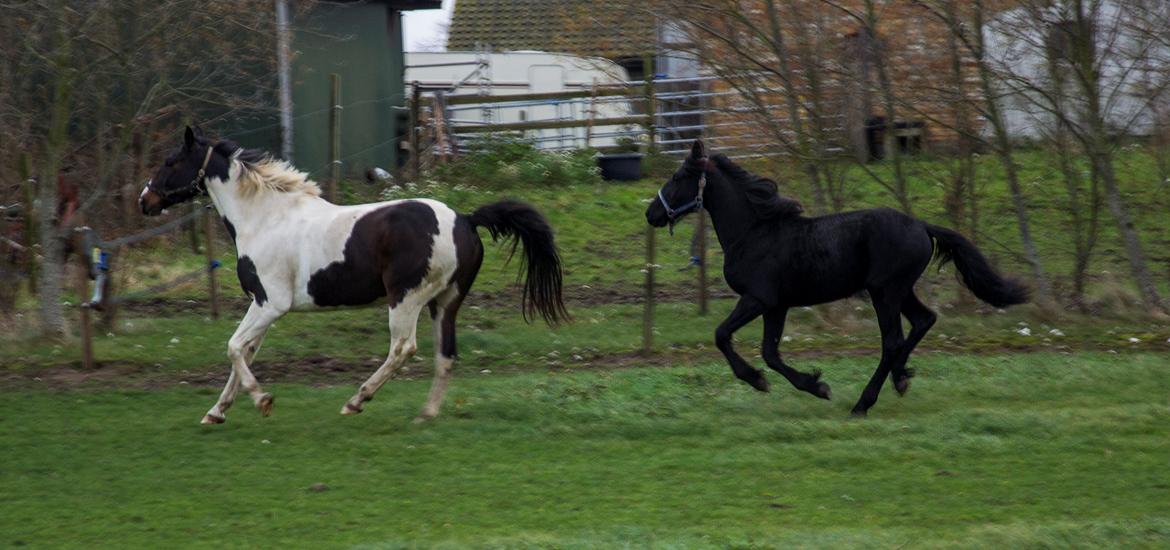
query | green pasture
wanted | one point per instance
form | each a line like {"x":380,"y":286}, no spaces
{"x":1044,"y":450}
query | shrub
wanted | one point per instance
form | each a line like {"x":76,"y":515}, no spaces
{"x":497,"y":162}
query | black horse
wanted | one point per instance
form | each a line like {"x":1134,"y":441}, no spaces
{"x":775,"y":259}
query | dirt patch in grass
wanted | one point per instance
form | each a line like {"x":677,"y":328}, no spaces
{"x":330,"y":371}
{"x":578,"y":295}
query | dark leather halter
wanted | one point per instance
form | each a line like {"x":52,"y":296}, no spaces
{"x":695,"y":205}
{"x":198,"y":182}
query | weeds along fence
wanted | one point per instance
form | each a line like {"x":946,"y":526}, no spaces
{"x":98,"y":258}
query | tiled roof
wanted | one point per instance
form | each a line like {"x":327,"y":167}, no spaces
{"x":607,"y":28}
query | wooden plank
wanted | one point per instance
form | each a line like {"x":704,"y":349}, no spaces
{"x":604,"y":91}
{"x":547,"y":125}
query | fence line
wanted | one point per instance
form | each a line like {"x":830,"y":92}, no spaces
{"x":96,"y":260}
{"x":666,"y":118}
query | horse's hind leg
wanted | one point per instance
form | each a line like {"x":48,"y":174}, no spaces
{"x":921,"y":319}
{"x":443,"y":310}
{"x":747,"y":309}
{"x":887,"y":304}
{"x":770,"y":349}
{"x":403,"y":327}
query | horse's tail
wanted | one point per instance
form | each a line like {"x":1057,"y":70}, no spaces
{"x":523,"y":225}
{"x":974,"y":270}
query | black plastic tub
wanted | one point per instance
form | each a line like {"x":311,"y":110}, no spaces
{"x":620,"y":166}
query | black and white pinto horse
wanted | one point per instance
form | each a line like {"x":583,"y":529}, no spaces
{"x":776,"y":259}
{"x":299,"y":252}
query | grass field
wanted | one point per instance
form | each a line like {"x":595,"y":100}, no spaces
{"x":1027,"y":450}
{"x":1025,"y":428}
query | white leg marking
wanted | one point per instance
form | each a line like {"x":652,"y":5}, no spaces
{"x":218,"y":412}
{"x":403,"y":327}
{"x":242,"y":349}
{"x":443,"y":363}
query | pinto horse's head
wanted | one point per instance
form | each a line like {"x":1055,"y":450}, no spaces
{"x":683,"y":192}
{"x":183,"y":174}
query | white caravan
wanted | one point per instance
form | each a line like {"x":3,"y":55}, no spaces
{"x":524,"y":72}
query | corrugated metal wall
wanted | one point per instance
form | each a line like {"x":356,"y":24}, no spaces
{"x":363,"y":44}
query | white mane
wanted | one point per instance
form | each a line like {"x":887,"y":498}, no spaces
{"x":272,"y":174}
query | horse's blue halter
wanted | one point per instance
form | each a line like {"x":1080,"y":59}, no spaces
{"x":673,"y":214}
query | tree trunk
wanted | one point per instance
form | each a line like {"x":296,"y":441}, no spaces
{"x":807,"y":156}
{"x":1101,"y":155}
{"x":52,"y":312}
{"x":1084,"y":238}
{"x":1005,"y":153}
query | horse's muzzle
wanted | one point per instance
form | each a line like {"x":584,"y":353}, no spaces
{"x":656,"y":215}
{"x":150,"y":203}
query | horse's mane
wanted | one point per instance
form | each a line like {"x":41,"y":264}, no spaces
{"x":762,"y":193}
{"x":260,"y":171}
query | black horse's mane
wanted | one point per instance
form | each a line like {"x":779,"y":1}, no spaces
{"x":762,"y":193}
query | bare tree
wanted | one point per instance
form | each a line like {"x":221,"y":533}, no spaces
{"x":90,"y":77}
{"x":1093,"y":68}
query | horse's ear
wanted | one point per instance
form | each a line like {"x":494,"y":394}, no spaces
{"x":698,"y":151}
{"x":189,"y":138}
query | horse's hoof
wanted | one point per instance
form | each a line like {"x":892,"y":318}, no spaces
{"x":822,"y":390}
{"x":859,"y":413}
{"x":902,"y":381}
{"x":422,"y":418}
{"x":760,"y":383}
{"x":264,"y":405}
{"x":350,"y":410}
{"x":209,"y":419}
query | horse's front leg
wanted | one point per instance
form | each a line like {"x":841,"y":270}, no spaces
{"x":745,"y":311}
{"x":242,"y":348}
{"x":770,"y":349}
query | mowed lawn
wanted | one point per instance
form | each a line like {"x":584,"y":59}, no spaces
{"x":1040,"y":450}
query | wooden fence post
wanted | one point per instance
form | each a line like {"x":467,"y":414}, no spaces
{"x":415,"y":160}
{"x":648,"y":66}
{"x":591,"y":114}
{"x":193,"y":230}
{"x":83,"y":309}
{"x":701,"y":238}
{"x":648,"y":299}
{"x":212,"y":286}
{"x":701,"y":230}
{"x":439,"y":116}
{"x":334,"y":136}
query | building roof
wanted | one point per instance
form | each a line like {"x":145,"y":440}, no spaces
{"x":607,"y":28}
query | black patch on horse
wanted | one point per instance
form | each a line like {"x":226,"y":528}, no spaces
{"x":250,"y":280}
{"x":231,"y":229}
{"x":387,"y":254}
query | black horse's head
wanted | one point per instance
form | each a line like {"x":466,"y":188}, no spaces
{"x":183,"y":174}
{"x":683,"y":192}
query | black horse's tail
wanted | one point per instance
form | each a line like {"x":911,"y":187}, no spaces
{"x":523,"y":225}
{"x":974,"y":270}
